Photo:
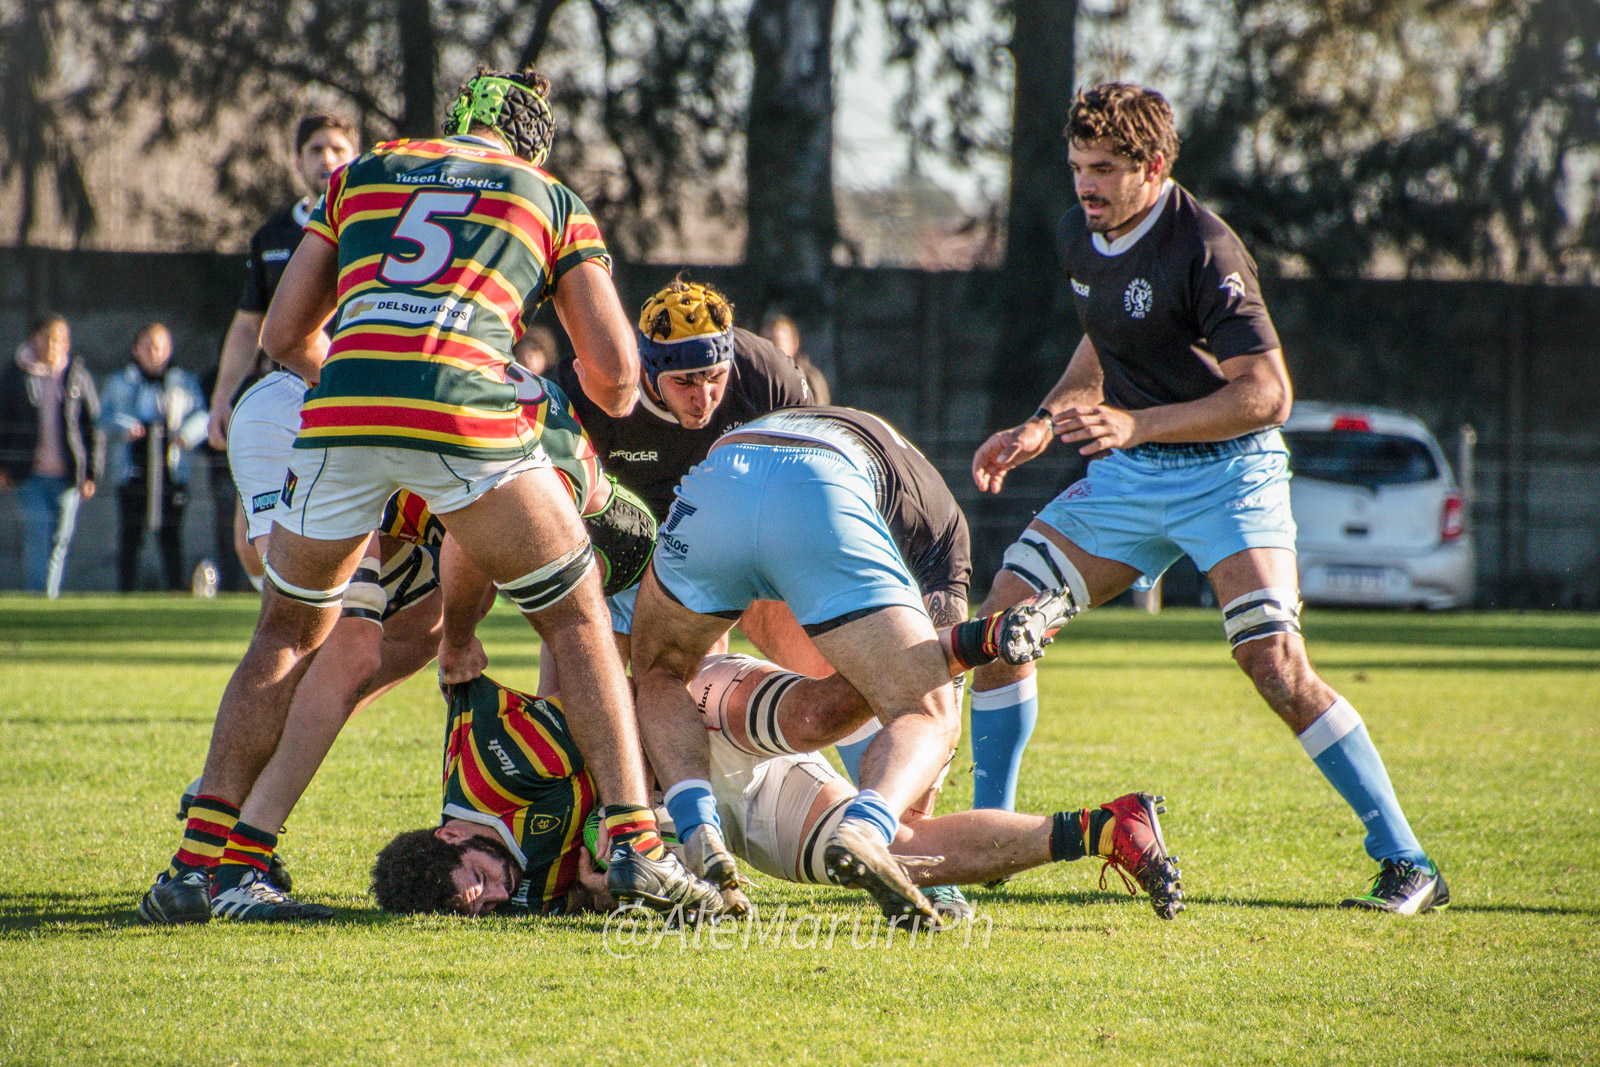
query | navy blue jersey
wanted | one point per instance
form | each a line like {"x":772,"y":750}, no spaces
{"x":1165,"y":303}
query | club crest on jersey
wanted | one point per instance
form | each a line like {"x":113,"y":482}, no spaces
{"x":1138,"y":298}
{"x":444,"y":311}
{"x":286,"y":495}
{"x":543,"y":824}
{"x":1234,"y":285}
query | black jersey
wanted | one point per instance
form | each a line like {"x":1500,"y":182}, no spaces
{"x":270,"y":250}
{"x":1165,"y":307}
{"x":649,"y":452}
{"x":923,"y":518}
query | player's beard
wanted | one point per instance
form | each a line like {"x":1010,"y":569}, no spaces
{"x":1115,"y":212}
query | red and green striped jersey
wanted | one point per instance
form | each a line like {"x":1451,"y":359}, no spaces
{"x":510,"y":764}
{"x":446,"y":247}
{"x":407,"y":516}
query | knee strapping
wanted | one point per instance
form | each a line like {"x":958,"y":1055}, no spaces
{"x":366,"y":599}
{"x":316,"y":598}
{"x":1037,"y":561}
{"x":550,"y":584}
{"x":761,"y":717}
{"x":719,"y":676}
{"x":1275,"y":610}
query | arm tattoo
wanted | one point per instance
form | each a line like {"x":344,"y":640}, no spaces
{"x":945,"y":608}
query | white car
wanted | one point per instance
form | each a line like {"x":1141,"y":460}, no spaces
{"x":1381,"y":519}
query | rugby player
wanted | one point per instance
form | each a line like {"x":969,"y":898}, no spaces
{"x":322,"y":144}
{"x":516,"y":799}
{"x":432,"y":253}
{"x":397,"y":588}
{"x":702,"y":376}
{"x":832,"y":512}
{"x":1175,"y":393}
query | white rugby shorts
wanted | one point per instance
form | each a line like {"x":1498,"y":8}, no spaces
{"x":261,"y":437}
{"x":763,"y":803}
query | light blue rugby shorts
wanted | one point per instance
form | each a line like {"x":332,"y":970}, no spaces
{"x":772,"y":522}
{"x":1150,"y":505}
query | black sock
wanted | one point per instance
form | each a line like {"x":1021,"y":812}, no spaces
{"x":974,"y":642}
{"x":1066,"y":837}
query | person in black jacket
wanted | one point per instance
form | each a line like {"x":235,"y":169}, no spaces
{"x":51,"y":448}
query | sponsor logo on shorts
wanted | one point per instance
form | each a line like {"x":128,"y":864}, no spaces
{"x":680,"y":511}
{"x":1138,"y":298}
{"x":286,"y":495}
{"x":263,"y":502}
{"x":1234,"y":285}
{"x":634,"y":457}
{"x":672,"y":546}
{"x":1079,"y":288}
{"x":1246,"y":503}
{"x":445,"y":311}
{"x":277,"y":255}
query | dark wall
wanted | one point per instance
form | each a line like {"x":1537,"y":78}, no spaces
{"x":1519,"y":364}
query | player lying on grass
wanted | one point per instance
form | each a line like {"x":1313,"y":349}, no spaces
{"x":516,"y":799}
{"x":397,"y":588}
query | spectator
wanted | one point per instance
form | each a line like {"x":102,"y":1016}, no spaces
{"x":155,"y":416}
{"x":51,"y":448}
{"x":537,"y":351}
{"x":781,"y":331}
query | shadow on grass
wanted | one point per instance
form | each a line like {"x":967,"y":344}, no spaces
{"x":81,"y":914}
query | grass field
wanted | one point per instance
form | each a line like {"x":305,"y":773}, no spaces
{"x":1490,"y":724}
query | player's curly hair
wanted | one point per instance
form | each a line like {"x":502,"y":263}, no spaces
{"x":1137,"y":121}
{"x":523,"y":116}
{"x":412,"y":873}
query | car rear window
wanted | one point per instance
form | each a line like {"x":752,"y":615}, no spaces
{"x":1360,"y":457}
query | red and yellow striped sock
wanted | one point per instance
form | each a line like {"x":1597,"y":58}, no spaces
{"x":248,"y":849}
{"x":205,"y":835}
{"x":635,"y":827}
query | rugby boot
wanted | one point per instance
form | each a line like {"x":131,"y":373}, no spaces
{"x":177,"y":901}
{"x":1404,"y":888}
{"x":664,"y":885}
{"x":856,"y":857}
{"x":1135,"y":846}
{"x":256,"y":900}
{"x":1027,"y":627}
{"x":707,"y":855}
{"x":950,"y":902}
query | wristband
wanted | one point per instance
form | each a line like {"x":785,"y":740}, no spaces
{"x":1044,"y":413}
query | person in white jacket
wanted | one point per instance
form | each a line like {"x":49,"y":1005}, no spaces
{"x":154,"y":415}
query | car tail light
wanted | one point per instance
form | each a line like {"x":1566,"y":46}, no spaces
{"x":1454,"y":520}
{"x":1352,"y":422}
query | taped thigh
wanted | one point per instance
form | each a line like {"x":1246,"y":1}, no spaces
{"x":714,"y":687}
{"x":366,"y":598}
{"x":1274,"y":610}
{"x":550,"y":584}
{"x":1036,"y":560}
{"x":407,"y":576}
{"x":315,"y":598}
{"x":792,"y":786}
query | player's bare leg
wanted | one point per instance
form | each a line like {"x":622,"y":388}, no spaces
{"x":251,"y":717}
{"x":519,"y":534}
{"x":1005,"y":701}
{"x":1259,"y":593}
{"x":669,"y":642}
{"x":512,"y":531}
{"x":771,"y":627}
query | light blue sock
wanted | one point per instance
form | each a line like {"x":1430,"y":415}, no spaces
{"x":1002,"y":722}
{"x":691,"y":804}
{"x":851,"y":748}
{"x":870,"y":807}
{"x":1338,"y":744}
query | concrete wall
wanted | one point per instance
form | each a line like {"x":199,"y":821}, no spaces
{"x":1518,"y":363}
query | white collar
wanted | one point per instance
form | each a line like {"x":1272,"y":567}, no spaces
{"x":302,"y":210}
{"x":1131,"y":238}
{"x":655,"y":409}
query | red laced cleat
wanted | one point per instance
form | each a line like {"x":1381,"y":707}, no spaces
{"x":1138,"y":849}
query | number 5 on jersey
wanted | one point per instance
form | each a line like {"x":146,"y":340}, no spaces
{"x":436,"y":244}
